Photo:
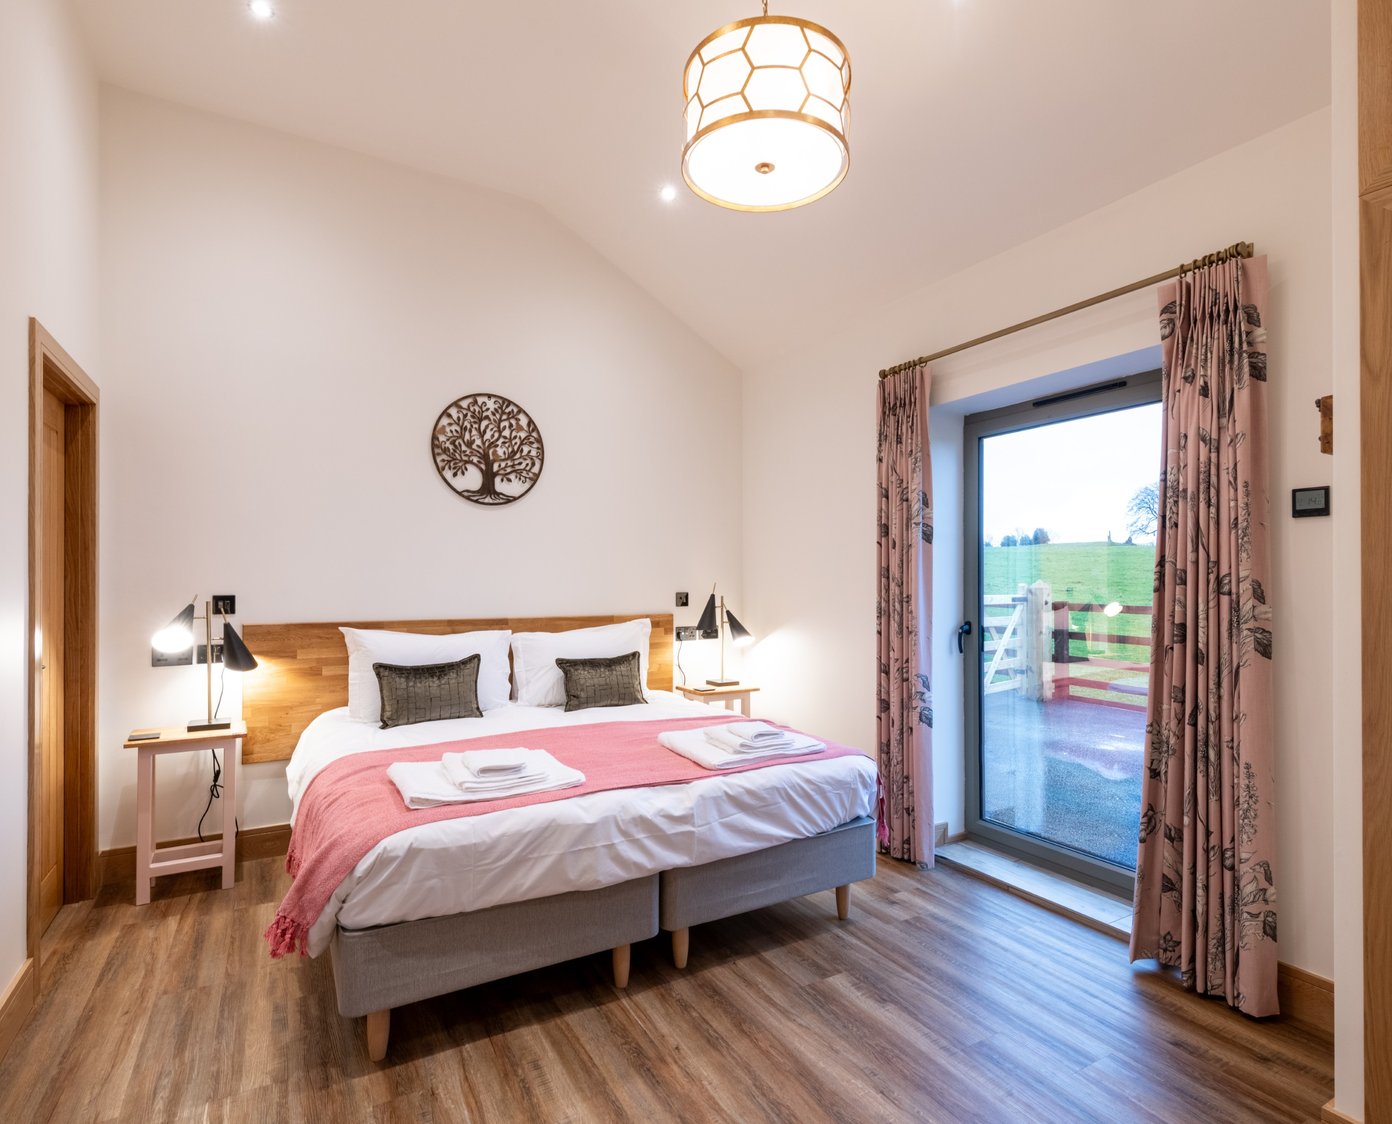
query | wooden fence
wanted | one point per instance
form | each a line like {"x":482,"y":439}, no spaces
{"x":1126,"y":692}
{"x":1029,"y":645}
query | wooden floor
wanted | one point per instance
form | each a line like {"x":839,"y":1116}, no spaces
{"x":941,"y":999}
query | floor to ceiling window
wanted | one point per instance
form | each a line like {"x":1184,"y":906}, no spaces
{"x":1061,"y":515}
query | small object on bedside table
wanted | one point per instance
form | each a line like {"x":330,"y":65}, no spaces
{"x":152,"y":861}
{"x":740,"y":692}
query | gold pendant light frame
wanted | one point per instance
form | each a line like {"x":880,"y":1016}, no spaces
{"x":842,"y":111}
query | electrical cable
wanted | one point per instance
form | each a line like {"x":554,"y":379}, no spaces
{"x":214,"y":792}
{"x":679,"y":666}
{"x":215,"y":787}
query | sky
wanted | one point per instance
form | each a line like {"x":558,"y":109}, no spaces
{"x":1073,"y":478}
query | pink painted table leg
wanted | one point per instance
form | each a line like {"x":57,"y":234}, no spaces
{"x":229,"y":813}
{"x":144,"y":823}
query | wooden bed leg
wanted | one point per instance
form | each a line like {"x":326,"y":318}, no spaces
{"x":622,"y":956}
{"x":681,"y":946}
{"x":378,"y":1031}
{"x":843,"y":902}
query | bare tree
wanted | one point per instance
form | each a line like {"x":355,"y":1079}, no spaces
{"x":1143,"y":511}
{"x":493,"y":436}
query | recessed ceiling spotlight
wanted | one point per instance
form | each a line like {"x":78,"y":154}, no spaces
{"x":668,"y":193}
{"x":261,"y":9}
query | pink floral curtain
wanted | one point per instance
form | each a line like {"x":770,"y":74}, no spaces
{"x":1205,"y":882}
{"x":903,"y":615}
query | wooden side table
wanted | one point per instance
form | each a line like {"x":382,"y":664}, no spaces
{"x":152,"y":861}
{"x":740,"y":692}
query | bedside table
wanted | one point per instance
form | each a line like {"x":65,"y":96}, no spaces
{"x":152,"y":861}
{"x":740,"y":692}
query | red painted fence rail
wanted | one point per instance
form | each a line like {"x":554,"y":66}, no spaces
{"x":1127,"y":695}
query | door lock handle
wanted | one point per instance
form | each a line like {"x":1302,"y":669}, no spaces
{"x":962,"y":633}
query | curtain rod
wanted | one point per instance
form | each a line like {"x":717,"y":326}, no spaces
{"x":1237,"y":250}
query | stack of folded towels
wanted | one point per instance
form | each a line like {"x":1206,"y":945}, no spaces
{"x":480,"y":774}
{"x":738,"y":743}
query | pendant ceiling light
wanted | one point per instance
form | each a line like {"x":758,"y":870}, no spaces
{"x":767,"y":108}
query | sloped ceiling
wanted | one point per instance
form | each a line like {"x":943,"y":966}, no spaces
{"x":977,"y":124}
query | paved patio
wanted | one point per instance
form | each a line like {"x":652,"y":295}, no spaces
{"x":1068,"y":771}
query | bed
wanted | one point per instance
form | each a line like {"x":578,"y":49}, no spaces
{"x":451,"y":904}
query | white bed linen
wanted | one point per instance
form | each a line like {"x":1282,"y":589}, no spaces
{"x":582,"y":843}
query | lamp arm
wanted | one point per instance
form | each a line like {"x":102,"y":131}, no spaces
{"x":722,"y":636}
{"x":208,"y":653}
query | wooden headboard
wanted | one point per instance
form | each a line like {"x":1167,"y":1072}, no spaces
{"x":304,"y":669}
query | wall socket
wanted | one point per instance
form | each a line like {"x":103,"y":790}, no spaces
{"x":171,"y":659}
{"x":225,"y":604}
{"x":203,"y":652}
{"x":691,"y":632}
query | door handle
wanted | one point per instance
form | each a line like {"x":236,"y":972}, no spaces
{"x":962,"y":633}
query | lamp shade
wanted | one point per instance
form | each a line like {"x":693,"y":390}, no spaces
{"x":709,"y":622}
{"x":177,"y":635}
{"x":738,"y":633}
{"x":236,"y":656}
{"x":767,"y":110}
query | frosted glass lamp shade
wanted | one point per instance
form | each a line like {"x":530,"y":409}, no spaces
{"x":767,"y":110}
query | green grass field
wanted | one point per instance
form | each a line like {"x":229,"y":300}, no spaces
{"x":1076,"y":571}
{"x":1082,"y":573}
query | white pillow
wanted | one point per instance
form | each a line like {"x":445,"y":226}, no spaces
{"x":539,"y":680}
{"x":367,"y":646}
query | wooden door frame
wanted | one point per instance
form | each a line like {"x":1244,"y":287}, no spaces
{"x":53,"y":369}
{"x":1375,"y":223}
{"x":1375,"y":402}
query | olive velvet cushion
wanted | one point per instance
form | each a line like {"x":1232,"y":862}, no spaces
{"x":609,"y":681}
{"x":428,"y":692}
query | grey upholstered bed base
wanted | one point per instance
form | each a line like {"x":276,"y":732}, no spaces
{"x":695,"y":894}
{"x":392,"y":965}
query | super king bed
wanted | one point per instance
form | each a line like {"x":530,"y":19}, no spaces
{"x":448,"y":903}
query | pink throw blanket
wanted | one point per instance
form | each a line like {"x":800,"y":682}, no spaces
{"x":352,"y":805}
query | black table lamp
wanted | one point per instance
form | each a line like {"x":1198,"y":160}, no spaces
{"x":177,"y":636}
{"x":712,"y":620}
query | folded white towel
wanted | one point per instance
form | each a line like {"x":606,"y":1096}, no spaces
{"x":523,"y":782}
{"x":480,"y":764}
{"x":754,"y":731}
{"x":424,"y":784}
{"x":722,"y":738}
{"x":693,"y":745}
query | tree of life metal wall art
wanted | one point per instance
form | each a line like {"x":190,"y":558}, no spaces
{"x":487,"y":449}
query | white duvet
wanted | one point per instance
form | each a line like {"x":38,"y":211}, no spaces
{"x":600,"y":839}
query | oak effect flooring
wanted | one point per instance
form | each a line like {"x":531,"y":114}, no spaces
{"x":942,"y":998}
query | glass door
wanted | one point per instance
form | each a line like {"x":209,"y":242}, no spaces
{"x":1061,"y":513}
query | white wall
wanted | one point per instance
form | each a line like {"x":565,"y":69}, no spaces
{"x":284,"y":321}
{"x":809,"y":433}
{"x":1347,"y":865}
{"x":48,"y":252}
